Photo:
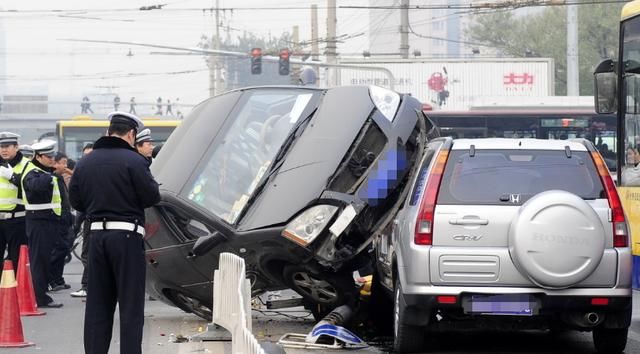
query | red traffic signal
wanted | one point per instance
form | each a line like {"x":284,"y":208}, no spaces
{"x":256,"y":61}
{"x":283,"y":62}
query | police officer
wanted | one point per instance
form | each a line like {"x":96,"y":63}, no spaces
{"x":43,"y":203}
{"x":113,"y":186}
{"x":12,"y":227}
{"x":144,"y":144}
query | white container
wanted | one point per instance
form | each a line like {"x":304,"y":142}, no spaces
{"x":466,"y":80}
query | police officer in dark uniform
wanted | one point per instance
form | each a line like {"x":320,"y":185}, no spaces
{"x":113,"y":186}
{"x":43,"y":201}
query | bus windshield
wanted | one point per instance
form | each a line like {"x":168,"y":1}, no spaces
{"x":74,"y":135}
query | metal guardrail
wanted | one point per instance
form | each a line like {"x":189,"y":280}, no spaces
{"x":232,"y":304}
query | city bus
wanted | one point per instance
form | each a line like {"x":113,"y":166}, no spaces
{"x":617,"y":88}
{"x":524,"y":122}
{"x":72,"y":135}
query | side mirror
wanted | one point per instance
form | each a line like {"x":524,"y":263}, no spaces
{"x":205,"y":244}
{"x":606,"y":87}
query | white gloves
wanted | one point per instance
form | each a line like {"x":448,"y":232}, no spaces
{"x":6,"y":172}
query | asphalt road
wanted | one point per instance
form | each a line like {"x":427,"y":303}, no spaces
{"x":60,"y":331}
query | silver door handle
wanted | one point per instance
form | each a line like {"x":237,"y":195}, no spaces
{"x":469,"y":222}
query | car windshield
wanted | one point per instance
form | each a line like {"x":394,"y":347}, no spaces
{"x":244,"y":149}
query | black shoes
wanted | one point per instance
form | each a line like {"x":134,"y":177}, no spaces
{"x":52,"y":305}
{"x":58,"y":287}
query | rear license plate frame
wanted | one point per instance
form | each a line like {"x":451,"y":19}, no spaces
{"x":525,"y":305}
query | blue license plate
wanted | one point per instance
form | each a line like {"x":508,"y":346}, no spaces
{"x":510,"y":304}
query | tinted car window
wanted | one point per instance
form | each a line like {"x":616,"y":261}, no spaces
{"x":514,"y":176}
{"x":243,"y":152}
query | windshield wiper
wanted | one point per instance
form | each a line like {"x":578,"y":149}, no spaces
{"x":291,"y":137}
{"x":277,"y":161}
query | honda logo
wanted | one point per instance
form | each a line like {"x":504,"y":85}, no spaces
{"x":514,"y":198}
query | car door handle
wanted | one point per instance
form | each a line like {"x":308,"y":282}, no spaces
{"x":469,"y":222}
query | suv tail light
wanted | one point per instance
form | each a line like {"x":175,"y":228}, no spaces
{"x":424,"y":224}
{"x":620,"y":232}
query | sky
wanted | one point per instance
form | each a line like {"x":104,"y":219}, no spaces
{"x":39,"y":58}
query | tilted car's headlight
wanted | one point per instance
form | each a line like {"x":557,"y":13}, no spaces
{"x":385,"y":100}
{"x":308,"y":225}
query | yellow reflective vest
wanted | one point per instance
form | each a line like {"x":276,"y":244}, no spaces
{"x":56,"y":199}
{"x":9,"y":193}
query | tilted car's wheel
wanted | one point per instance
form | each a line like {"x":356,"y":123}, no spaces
{"x":189,"y":304}
{"x":322,"y":291}
{"x":406,"y":338}
{"x":556,"y":239}
{"x":610,"y":340}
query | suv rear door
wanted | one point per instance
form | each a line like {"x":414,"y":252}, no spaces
{"x":482,"y":193}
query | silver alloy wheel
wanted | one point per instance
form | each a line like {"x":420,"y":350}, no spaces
{"x":318,"y":289}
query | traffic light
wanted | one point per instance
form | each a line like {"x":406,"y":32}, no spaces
{"x":283,"y":62}
{"x":256,"y":61}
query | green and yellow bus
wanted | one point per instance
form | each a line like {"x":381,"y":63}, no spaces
{"x":74,"y":134}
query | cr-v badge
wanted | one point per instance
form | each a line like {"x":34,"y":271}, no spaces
{"x":467,"y":237}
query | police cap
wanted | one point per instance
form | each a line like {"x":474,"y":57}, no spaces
{"x":9,"y":138}
{"x":45,"y":147}
{"x":144,"y":135}
{"x":126,"y":118}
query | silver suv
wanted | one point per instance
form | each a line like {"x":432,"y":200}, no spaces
{"x":520,"y":233}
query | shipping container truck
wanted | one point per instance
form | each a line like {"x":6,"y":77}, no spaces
{"x":455,"y":84}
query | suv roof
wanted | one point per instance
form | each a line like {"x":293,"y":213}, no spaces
{"x":529,"y":144}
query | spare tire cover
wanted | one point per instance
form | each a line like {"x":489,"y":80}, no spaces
{"x":556,"y":239}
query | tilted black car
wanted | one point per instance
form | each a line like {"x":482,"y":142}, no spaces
{"x":295,"y":180}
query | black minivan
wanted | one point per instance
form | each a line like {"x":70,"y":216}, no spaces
{"x":295,"y":180}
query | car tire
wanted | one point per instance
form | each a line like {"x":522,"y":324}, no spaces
{"x":406,"y":338}
{"x":189,"y":304}
{"x":556,"y":240}
{"x":610,"y":340}
{"x":322,"y":291}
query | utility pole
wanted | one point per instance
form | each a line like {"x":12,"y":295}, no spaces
{"x":404,"y":29}
{"x":295,"y":50}
{"x":573,"y":74}
{"x":314,"y":33}
{"x":215,"y":78}
{"x":331,"y":51}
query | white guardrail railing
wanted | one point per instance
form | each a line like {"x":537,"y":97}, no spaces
{"x":232,"y":304}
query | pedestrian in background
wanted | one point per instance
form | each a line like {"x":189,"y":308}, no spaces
{"x":169,"y":108}
{"x":159,"y":105}
{"x":132,"y":105}
{"x":12,"y":224}
{"x":113,"y":186}
{"x":62,"y":234}
{"x":116,"y":103}
{"x":43,"y":203}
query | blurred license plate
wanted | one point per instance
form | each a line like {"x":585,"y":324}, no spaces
{"x":511,"y":304}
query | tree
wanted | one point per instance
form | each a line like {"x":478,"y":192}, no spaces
{"x":545,"y":35}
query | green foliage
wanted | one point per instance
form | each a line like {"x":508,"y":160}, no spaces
{"x":545,"y":35}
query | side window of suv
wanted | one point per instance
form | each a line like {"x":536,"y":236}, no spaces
{"x":514,"y":176}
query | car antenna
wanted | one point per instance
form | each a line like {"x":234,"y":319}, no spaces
{"x":472,"y":150}
{"x":567,"y":151}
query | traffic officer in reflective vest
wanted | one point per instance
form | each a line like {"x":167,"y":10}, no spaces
{"x":12,"y":229}
{"x":43,"y":203}
{"x":113,"y":186}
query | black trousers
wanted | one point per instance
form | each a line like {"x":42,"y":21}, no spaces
{"x":12,"y":236}
{"x":84,"y":255}
{"x":41,"y":236}
{"x":116,"y":276}
{"x":61,"y":250}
